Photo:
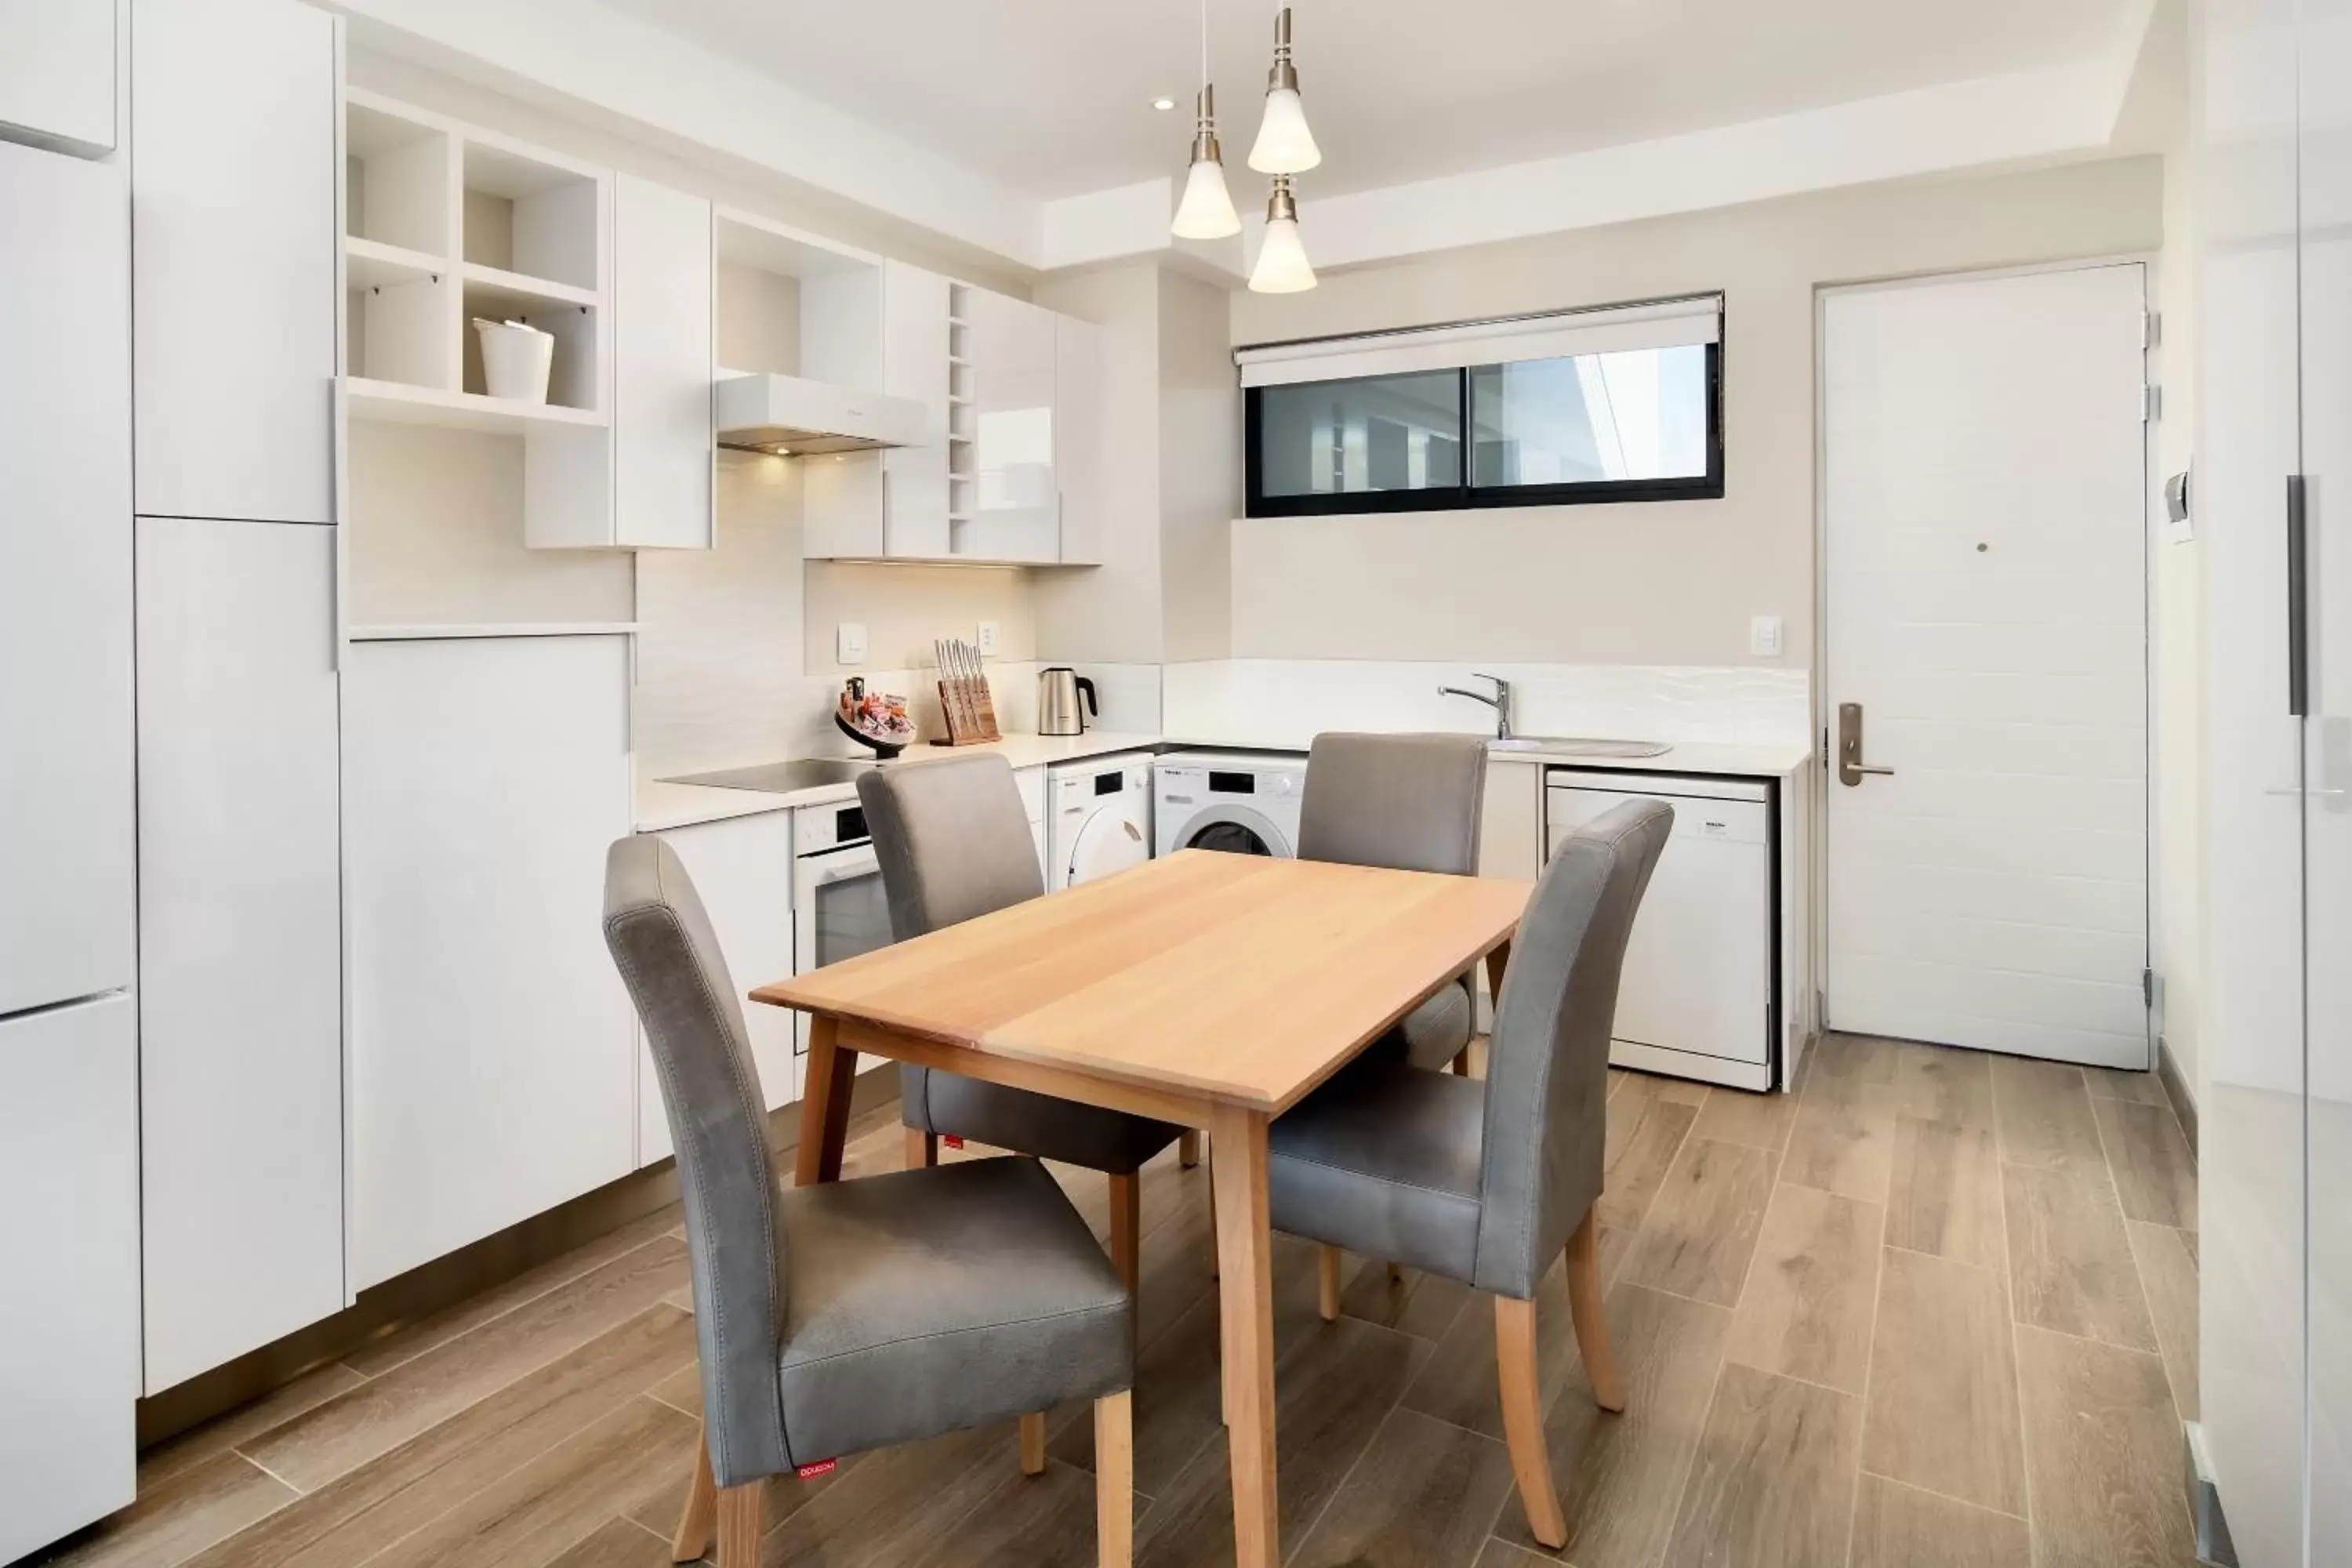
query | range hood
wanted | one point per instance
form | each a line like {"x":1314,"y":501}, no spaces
{"x":763,"y":412}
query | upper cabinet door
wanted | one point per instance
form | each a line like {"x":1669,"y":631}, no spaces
{"x":915,"y":364}
{"x":233,"y":278}
{"x":57,"y":74}
{"x":1017,"y":503}
{"x":1078,"y":436}
{"x":66,"y":862}
{"x":662,"y":322}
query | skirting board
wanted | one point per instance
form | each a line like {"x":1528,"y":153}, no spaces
{"x":2176,"y":1090}
{"x":2213,"y":1544}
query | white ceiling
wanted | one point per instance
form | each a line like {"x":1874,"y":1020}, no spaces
{"x":1053,"y":98}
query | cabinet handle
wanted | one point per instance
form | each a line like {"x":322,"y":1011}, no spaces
{"x":2298,"y":629}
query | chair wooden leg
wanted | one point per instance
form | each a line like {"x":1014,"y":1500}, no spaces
{"x":693,"y":1537}
{"x":1326,"y":1283}
{"x":1515,"y":1371}
{"x":1216,"y":1267}
{"x":742,"y":1522}
{"x":1462,"y":1062}
{"x":1033,"y":1443}
{"x":1115,"y":1479}
{"x":922,"y":1149}
{"x":1584,"y":1308}
{"x":1188,"y":1148}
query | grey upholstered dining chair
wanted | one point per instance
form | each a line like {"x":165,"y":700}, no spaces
{"x":1411,"y":802}
{"x":953,"y":840}
{"x":1487,"y":1182}
{"x":852,"y":1315}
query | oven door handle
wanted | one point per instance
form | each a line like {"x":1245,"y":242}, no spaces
{"x":843,"y":873}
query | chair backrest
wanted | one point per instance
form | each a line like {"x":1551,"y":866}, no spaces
{"x":1548,"y":1063}
{"x":669,"y":957}
{"x":952,"y":838}
{"x":1411,"y":803}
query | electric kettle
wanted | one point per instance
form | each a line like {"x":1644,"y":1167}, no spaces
{"x":1059,"y":689}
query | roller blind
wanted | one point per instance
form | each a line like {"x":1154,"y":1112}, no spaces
{"x":1668,"y":324}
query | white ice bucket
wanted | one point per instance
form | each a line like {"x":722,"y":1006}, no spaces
{"x":516,"y":359}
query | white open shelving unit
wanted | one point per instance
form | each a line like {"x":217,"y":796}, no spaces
{"x":444,"y":224}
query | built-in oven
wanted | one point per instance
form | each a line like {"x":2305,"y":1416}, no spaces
{"x":838,"y":907}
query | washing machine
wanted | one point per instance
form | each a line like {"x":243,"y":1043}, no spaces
{"x":1246,"y":802}
{"x":1098,"y":817}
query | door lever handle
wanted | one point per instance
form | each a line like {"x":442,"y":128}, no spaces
{"x":1851,"y":768}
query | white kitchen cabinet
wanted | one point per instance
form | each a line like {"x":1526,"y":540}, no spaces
{"x":895,"y":503}
{"x":663,"y":366}
{"x":1031,"y":782}
{"x":743,"y":871}
{"x":915,"y":364}
{"x":66,"y":856}
{"x":234,"y":216}
{"x":1078,"y":474}
{"x":57,"y":74}
{"x":240,"y":939}
{"x":1015,"y":508}
{"x":70,"y":1313}
{"x":492,"y":1051}
{"x":1696,"y":997}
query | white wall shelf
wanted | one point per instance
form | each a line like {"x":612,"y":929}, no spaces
{"x":495,"y":284}
{"x":374,"y":264}
{"x":403,"y":403}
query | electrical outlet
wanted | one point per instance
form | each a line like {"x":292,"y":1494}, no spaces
{"x":988,"y":635}
{"x":849,"y":643}
{"x":1764,"y":636}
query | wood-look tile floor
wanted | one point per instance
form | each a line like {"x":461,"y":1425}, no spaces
{"x":1936,"y":1308}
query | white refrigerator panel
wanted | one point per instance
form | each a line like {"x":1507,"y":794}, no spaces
{"x":70,"y":1309}
{"x":65,"y":860}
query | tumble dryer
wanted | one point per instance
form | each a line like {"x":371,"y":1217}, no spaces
{"x":1098,"y":817}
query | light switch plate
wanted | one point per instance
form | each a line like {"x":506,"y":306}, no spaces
{"x":990,"y":632}
{"x":1764,"y":636}
{"x":849,"y":642}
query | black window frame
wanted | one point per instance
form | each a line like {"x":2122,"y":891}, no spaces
{"x":1469,"y":495}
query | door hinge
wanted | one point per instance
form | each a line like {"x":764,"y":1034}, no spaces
{"x":2151,"y":328}
{"x":1825,"y":745}
{"x":2151,"y":404}
{"x":2147,"y":988}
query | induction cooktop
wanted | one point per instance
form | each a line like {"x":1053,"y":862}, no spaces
{"x":780,"y":778}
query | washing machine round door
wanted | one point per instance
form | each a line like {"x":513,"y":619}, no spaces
{"x":1108,"y":842}
{"x":1235,"y":830}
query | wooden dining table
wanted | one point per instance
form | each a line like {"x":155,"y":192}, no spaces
{"x":1213,"y":991}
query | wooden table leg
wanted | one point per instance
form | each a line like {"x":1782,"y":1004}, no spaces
{"x":1498,"y":960}
{"x":1245,"y":1291}
{"x":824,"y":1104}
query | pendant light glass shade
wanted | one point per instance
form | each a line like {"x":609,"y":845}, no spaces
{"x":1283,"y":145}
{"x":1207,"y":210}
{"x":1282,"y":267}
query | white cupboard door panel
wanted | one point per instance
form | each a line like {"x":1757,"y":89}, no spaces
{"x":233,"y":277}
{"x":58,"y":73}
{"x":1015,"y":505}
{"x":492,"y":1064}
{"x":743,"y":871}
{"x":70,"y":1311}
{"x":240,"y":939}
{"x":65,"y":860}
{"x":914,"y":479}
{"x":662,"y":324}
{"x":1078,"y":437}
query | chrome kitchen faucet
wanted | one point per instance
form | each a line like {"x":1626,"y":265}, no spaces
{"x":1500,"y":702}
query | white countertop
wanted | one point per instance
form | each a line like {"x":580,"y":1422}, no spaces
{"x":1768,"y":761}
{"x":661,"y":806}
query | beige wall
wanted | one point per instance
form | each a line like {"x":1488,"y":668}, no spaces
{"x":1658,"y":584}
{"x":1111,"y":613}
{"x":1200,"y":469}
{"x":905,"y":607}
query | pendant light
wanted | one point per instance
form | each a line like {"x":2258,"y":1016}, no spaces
{"x":1207,"y":210}
{"x":1284,"y":145}
{"x":1282,"y":267}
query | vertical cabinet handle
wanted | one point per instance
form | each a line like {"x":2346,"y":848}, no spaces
{"x":2298,"y":627}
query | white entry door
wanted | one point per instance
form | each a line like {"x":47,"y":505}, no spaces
{"x":1984,"y":488}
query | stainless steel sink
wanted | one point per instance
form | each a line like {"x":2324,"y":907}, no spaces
{"x":1580,"y":746}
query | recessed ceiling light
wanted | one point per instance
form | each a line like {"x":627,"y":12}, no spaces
{"x":1163,"y":104}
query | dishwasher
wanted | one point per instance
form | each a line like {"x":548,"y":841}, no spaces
{"x":1697,"y":996}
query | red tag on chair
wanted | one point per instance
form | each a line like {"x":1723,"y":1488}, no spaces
{"x":822,"y":1468}
{"x":952,"y":1140}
